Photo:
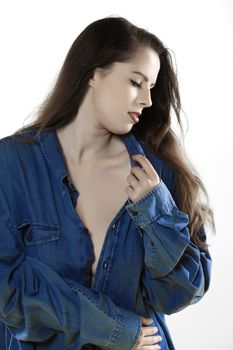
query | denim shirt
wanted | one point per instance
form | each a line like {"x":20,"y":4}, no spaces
{"x":148,"y":265}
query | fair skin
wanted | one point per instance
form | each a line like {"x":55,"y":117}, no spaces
{"x":92,"y":137}
{"x":91,"y":140}
{"x":103,"y":112}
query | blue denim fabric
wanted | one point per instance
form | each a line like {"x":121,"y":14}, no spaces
{"x":148,"y":265}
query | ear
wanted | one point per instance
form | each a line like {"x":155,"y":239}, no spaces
{"x":96,"y":75}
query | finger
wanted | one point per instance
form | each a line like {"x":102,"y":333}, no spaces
{"x":130,"y":192}
{"x":131,"y":177}
{"x":132,"y":180}
{"x":145,"y":320}
{"x":145,"y":163}
{"x":152,"y":340}
{"x":149,"y":330}
{"x":139,"y":173}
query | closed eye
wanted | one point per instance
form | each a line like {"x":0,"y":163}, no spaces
{"x":135,"y":84}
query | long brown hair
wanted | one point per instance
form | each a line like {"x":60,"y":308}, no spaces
{"x":99,"y":45}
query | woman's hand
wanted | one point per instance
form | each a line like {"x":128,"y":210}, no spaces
{"x":147,"y":341}
{"x":141,"y":180}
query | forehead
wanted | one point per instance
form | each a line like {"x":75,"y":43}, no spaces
{"x":145,"y":60}
{"x":146,"y":56}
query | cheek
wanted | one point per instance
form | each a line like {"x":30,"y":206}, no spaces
{"x":106,"y":94}
{"x":113,"y":99}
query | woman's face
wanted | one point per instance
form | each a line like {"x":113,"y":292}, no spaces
{"x":122,"y":91}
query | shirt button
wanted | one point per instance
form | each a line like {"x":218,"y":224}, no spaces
{"x":29,"y":237}
{"x":86,"y":230}
{"x":113,"y":226}
{"x":105,"y":264}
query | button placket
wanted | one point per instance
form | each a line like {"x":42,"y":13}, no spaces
{"x":105,"y":264}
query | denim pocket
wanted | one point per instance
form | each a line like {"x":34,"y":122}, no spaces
{"x":40,"y":241}
{"x":40,"y":234}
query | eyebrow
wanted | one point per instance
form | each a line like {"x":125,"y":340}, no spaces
{"x":145,"y":77}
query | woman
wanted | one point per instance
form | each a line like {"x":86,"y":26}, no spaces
{"x":102,"y":229}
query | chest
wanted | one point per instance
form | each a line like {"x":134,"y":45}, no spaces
{"x":101,"y":196}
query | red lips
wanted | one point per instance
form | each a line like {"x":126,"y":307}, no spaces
{"x":134,"y":116}
{"x":138,"y":113}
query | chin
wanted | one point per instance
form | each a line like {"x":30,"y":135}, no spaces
{"x":124,"y":130}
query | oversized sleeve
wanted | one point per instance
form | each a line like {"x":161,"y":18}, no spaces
{"x":36,"y":303}
{"x":176,"y":271}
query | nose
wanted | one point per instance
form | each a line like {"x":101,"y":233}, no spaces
{"x":145,"y":98}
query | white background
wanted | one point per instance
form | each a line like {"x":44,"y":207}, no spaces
{"x":35,"y":37}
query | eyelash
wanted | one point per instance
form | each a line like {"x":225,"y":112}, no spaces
{"x":134,"y":83}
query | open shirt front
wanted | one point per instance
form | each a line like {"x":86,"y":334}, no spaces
{"x":148,"y":265}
